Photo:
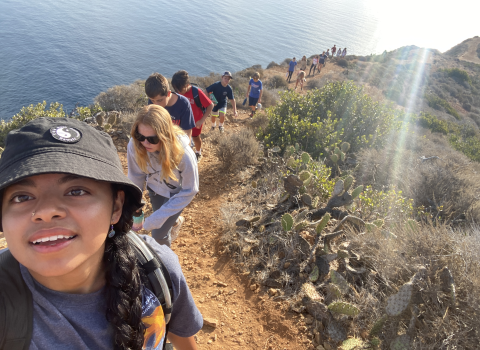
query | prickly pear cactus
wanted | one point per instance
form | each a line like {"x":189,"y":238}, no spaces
{"x":310,"y":292}
{"x":344,"y":308}
{"x":306,"y":158}
{"x":338,"y":188}
{"x":345,"y":147}
{"x":275,"y":149}
{"x":289,"y":151}
{"x":287,"y":222}
{"x":112,"y":118}
{"x":334,"y":158}
{"x":334,"y":291}
{"x":402,"y":342}
{"x":107,"y":127}
{"x":307,"y":181}
{"x":336,"y":331}
{"x":322,"y":224}
{"x":352,"y":344}
{"x":356,"y":192}
{"x":314,"y":274}
{"x":339,"y":281}
{"x":254,"y":184}
{"x":306,"y":199}
{"x":304,"y":175}
{"x":297,"y":147}
{"x":398,"y":303}
{"x":347,"y":183}
{"x":291,"y":162}
{"x":448,"y":284}
{"x":301,"y":225}
{"x":100,"y":118}
{"x":255,"y":219}
{"x":378,"y":325}
{"x":379,"y":223}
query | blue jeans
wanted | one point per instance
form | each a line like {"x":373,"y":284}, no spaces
{"x":162,"y":234}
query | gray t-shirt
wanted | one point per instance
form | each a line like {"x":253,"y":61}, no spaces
{"x":77,"y":321}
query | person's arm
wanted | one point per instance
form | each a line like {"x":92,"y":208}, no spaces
{"x":181,"y":343}
{"x":207,"y":113}
{"x":135,"y":174}
{"x":234,"y":106}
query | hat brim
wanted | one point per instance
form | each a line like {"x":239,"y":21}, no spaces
{"x":69,"y":163}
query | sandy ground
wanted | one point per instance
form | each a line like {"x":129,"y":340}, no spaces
{"x":471,"y":54}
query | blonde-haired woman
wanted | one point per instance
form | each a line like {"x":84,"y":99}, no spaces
{"x":159,"y":155}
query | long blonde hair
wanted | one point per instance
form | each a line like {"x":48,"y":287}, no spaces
{"x":171,"y":149}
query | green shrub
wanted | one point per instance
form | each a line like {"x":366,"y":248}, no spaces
{"x":125,"y":98}
{"x":27,"y":114}
{"x":470,"y":145}
{"x":438,"y":103}
{"x":431,"y":122}
{"x":272,"y":64}
{"x":342,"y":63}
{"x":277,"y":82}
{"x":238,"y":150}
{"x":340,"y":111}
{"x":458,"y":75}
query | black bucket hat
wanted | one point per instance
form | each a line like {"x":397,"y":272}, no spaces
{"x":63,"y":145}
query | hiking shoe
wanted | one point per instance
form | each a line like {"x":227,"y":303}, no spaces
{"x":199,"y":157}
{"x":176,"y":229}
{"x":212,"y":129}
{"x":221,"y":128}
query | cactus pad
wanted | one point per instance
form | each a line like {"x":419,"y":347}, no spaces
{"x":291,"y":162}
{"x":338,"y":188}
{"x":307,"y":181}
{"x":301,"y":225}
{"x":402,"y":342}
{"x":339,"y":281}
{"x":112,"y":118}
{"x":342,"y":253}
{"x":352,"y":344}
{"x":289,"y":151}
{"x":334,"y":291}
{"x":304,"y":175}
{"x":378,"y":325}
{"x":398,"y":303}
{"x":356,"y":192}
{"x":448,"y":285}
{"x":107,"y":127}
{"x":334,"y":158}
{"x":275,"y":149}
{"x":337,"y":151}
{"x":347,"y":183}
{"x":345,"y":147}
{"x":310,"y":292}
{"x":323,"y":223}
{"x":379,"y":223}
{"x":306,"y":158}
{"x":314,"y":274}
{"x":344,"y":308}
{"x":287,"y":222}
{"x":297,"y":147}
{"x":99,"y":118}
{"x":254,"y":219}
{"x":306,"y":199}
{"x":254,"y":184}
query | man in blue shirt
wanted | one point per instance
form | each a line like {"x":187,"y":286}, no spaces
{"x":222,"y":93}
{"x":158,"y":92}
{"x":291,"y":69}
{"x":254,"y":92}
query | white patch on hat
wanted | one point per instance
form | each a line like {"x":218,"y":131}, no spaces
{"x":66,"y":134}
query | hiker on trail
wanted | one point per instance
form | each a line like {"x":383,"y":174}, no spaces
{"x":291,"y":69}
{"x":321,"y":62}
{"x":334,"y":49}
{"x":327,"y":54}
{"x":200,"y":103}
{"x":344,"y":52}
{"x":222,"y":93}
{"x":302,"y":65}
{"x":158,"y":93}
{"x":159,"y":154}
{"x":300,"y":79}
{"x":314,"y":65}
{"x":254,"y":92}
{"x":71,"y":277}
{"x":339,"y":52}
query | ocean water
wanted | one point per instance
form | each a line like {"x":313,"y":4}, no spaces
{"x":69,"y":51}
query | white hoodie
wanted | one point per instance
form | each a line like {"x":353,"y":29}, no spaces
{"x":180,"y":192}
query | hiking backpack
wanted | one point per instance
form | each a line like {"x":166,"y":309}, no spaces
{"x":196,"y":97}
{"x":16,"y":304}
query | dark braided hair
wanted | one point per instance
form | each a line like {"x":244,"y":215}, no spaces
{"x":123,"y":281}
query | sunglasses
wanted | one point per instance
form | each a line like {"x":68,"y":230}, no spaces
{"x":151,"y":139}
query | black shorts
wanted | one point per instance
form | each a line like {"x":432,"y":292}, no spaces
{"x":252,"y":101}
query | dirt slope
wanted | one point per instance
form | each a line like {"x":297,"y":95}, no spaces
{"x":471,"y":54}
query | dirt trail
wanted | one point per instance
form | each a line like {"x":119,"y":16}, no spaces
{"x":471,"y":54}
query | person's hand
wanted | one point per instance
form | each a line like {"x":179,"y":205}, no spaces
{"x":199,"y":124}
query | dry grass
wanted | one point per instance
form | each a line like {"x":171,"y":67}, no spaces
{"x":236,"y":150}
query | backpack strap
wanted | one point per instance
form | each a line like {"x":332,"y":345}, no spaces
{"x":196,"y":98}
{"x":16,"y":306}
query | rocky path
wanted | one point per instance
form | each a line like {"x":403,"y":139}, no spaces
{"x":235,"y":316}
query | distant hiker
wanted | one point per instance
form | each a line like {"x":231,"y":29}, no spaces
{"x":300,"y":79}
{"x":302,"y":65}
{"x":325,"y":55}
{"x":222,"y":93}
{"x":71,"y":277}
{"x":291,"y":69}
{"x":254,"y":92}
{"x":321,"y":61}
{"x":328,"y":53}
{"x":200,"y":103}
{"x":158,"y":93}
{"x":314,"y":65}
{"x":334,"y":49}
{"x":159,"y":155}
{"x":344,"y":52}
{"x":339,"y":52}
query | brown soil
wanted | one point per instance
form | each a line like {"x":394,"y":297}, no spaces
{"x":471,"y":54}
